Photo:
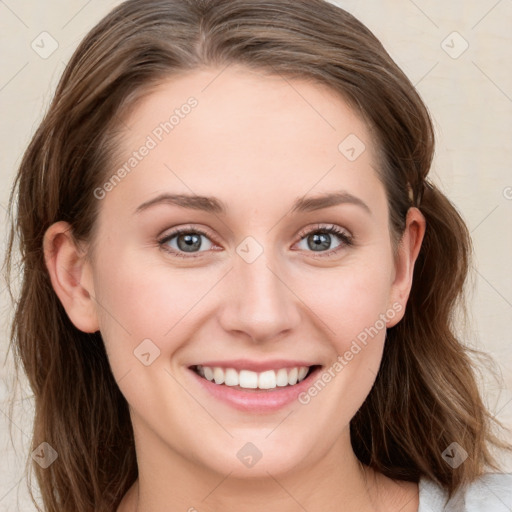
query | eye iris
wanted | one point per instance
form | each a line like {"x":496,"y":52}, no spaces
{"x":191,"y":242}
{"x":320,"y":241}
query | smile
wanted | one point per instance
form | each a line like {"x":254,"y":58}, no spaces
{"x":247,"y":379}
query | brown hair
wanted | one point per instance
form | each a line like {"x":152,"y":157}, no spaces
{"x":425,"y":395}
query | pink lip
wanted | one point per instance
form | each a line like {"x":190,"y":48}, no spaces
{"x":257,"y":400}
{"x":256,"y":366}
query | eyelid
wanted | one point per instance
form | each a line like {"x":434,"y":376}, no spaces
{"x":325,"y":228}
{"x":186,"y":229}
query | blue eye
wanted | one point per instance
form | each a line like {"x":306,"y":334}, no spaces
{"x":185,"y":243}
{"x":321,"y":238}
{"x":188,"y":240}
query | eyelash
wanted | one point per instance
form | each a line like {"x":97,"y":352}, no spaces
{"x":346,"y":240}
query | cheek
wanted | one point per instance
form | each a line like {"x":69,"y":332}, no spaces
{"x":140,"y":299}
{"x":348,"y":299}
{"x":146,"y":314}
{"x":351,"y":306}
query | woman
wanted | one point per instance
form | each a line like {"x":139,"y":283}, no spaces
{"x":238,"y":281}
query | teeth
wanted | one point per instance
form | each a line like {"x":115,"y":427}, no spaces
{"x":218,"y":375}
{"x":252,"y":380}
{"x":248,"y":379}
{"x":282,"y":377}
{"x":231,"y":377}
{"x":207,"y":372}
{"x":292,"y":376}
{"x":267,"y":380}
{"x":303,"y":370}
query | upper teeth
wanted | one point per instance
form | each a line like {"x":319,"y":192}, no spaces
{"x":249,"y":379}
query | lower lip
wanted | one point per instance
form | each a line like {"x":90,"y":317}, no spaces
{"x":257,"y":400}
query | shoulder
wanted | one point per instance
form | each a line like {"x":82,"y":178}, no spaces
{"x":491,"y":492}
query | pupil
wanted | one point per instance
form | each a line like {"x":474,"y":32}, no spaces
{"x":320,"y":241}
{"x":191,"y":242}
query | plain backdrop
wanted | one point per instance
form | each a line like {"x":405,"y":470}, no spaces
{"x":458,"y":56}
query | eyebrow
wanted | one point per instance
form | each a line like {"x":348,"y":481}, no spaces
{"x":214,"y":205}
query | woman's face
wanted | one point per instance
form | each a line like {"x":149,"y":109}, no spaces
{"x":254,"y":279}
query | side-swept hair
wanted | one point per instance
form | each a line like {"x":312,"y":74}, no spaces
{"x":425,"y":395}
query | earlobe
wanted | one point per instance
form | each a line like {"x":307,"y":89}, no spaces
{"x":407,"y":255}
{"x":71,"y":276}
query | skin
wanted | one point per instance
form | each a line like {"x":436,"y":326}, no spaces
{"x":257,"y":143}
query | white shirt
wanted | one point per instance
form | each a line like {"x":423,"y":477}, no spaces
{"x":492,"y":492}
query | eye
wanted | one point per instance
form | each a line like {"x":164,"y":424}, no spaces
{"x":187,"y":242}
{"x":320,"y":239}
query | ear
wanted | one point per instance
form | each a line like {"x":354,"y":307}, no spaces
{"x":71,"y":276}
{"x":408,"y":250}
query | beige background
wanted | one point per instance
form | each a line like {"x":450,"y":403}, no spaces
{"x":468,"y":91}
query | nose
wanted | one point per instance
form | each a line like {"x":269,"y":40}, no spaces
{"x":259,"y":301}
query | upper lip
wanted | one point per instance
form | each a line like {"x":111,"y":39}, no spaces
{"x":256,"y":366}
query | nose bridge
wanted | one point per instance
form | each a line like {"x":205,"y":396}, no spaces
{"x":261,"y":303}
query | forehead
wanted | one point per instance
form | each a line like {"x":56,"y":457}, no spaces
{"x":261,"y":135}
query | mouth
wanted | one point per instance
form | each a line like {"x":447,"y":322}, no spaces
{"x":247,"y":380}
